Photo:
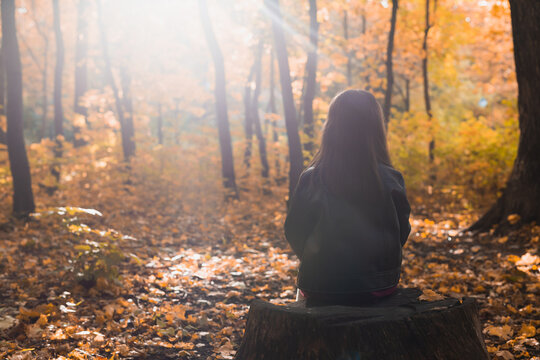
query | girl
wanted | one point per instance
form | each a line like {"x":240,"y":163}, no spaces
{"x":349,"y":216}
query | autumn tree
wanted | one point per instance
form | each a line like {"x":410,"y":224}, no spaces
{"x":248,"y":118}
{"x":42,"y":65}
{"x":44,"y":34}
{"x":522,"y":193}
{"x":176,"y":117}
{"x":347,"y":45}
{"x":2,"y":95}
{"x":128,"y":150}
{"x":81,"y":61}
{"x":311,"y":77}
{"x":160,"y":124}
{"x":295,"y":148}
{"x":220,"y":91}
{"x":272,"y":113}
{"x":23,"y":197}
{"x":364,"y":48}
{"x":427,"y":99}
{"x":59,"y":68}
{"x":261,"y":141}
{"x":58,"y":110}
{"x":389,"y":70}
{"x":128,"y":130}
{"x":407,"y":94}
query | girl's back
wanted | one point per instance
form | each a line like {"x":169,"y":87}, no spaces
{"x":348,"y":218}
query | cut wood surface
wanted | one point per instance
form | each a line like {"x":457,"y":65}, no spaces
{"x":399,"y":327}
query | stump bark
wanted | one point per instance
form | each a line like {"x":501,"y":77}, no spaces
{"x":398,"y":327}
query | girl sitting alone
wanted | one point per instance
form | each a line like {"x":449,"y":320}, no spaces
{"x":349,"y":216}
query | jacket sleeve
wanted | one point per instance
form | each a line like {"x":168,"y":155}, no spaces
{"x":300,"y":219}
{"x":403,"y":210}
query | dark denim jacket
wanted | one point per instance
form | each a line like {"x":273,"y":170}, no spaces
{"x":346,"y":248}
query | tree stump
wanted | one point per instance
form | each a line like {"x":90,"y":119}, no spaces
{"x":398,"y":327}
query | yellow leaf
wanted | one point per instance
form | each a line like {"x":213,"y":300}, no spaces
{"x":42,"y":321}
{"x":513,"y":258}
{"x":430,"y":295}
{"x":512,"y":309}
{"x":513,"y":219}
{"x":82,"y":247}
{"x":479,"y":288}
{"x":233,"y":293}
{"x":503,"y":332}
{"x":109,"y":310}
{"x":58,"y":335}
{"x":528,"y":259}
{"x":502,"y":240}
{"x":527,"y":331}
{"x":25,"y":313}
{"x":504,"y":355}
{"x":226,"y":350}
{"x":185,"y":345}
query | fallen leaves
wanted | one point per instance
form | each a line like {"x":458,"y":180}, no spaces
{"x":430,"y":295}
{"x":486,"y":270}
{"x":6,"y":322}
{"x":528,"y":260}
{"x":528,"y":331}
{"x":503,"y":332}
{"x":225,"y":351}
{"x":504,"y":355}
{"x":513,"y":219}
{"x":192,"y":263}
{"x":59,"y":334}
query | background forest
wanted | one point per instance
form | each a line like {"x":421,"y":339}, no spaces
{"x":164,"y":137}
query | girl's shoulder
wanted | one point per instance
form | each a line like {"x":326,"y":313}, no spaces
{"x":309,"y":174}
{"x":391,"y":176}
{"x":308,"y":177}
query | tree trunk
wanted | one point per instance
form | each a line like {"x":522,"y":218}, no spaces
{"x":427,"y":99}
{"x":248,"y":118}
{"x":160,"y":125}
{"x":311,"y":78}
{"x":400,"y":327}
{"x":58,"y":110}
{"x":273,"y":111}
{"x":255,"y":111}
{"x":300,"y":109}
{"x":2,"y":95}
{"x":58,"y":70}
{"x":176,"y":122}
{"x":349,"y":52}
{"x":364,"y":49}
{"x":81,"y":81}
{"x":128,"y":131}
{"x":44,"y":131}
{"x":522,"y":193}
{"x":295,"y":148}
{"x":23,"y":198}
{"x":389,"y":71}
{"x":227,"y":162}
{"x":407,"y":95}
{"x":44,"y":95}
{"x":110,"y":79}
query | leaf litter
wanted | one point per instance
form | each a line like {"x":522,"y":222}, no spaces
{"x":168,"y":271}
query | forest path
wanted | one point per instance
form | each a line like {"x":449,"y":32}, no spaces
{"x":176,"y":271}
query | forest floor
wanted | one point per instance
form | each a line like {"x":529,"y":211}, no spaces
{"x":156,"y":265}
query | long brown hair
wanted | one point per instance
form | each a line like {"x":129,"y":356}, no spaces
{"x":353,"y":143}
